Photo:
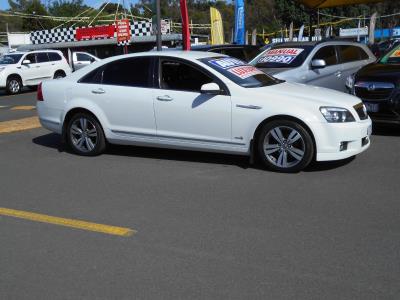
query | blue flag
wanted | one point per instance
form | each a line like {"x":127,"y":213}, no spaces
{"x":240,"y":30}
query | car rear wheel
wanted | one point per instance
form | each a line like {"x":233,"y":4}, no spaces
{"x":85,"y":135}
{"x":14,"y":85}
{"x":285,"y":146}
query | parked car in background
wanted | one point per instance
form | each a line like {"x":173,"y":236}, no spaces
{"x":324,"y":63}
{"x":378,"y":85}
{"x":206,"y":102}
{"x":82,"y":59}
{"x":242,"y":52}
{"x":18,"y":69}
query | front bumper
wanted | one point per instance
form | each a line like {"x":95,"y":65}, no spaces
{"x":340,"y":141}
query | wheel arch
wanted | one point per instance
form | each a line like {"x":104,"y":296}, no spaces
{"x":74,"y":111}
{"x":256,"y":134}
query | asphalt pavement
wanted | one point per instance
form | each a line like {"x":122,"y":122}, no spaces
{"x":207,"y":226}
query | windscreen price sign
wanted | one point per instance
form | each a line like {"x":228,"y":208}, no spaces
{"x":281,"y":55}
{"x":123,"y":28}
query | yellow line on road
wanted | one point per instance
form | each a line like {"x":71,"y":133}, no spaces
{"x":19,"y":125}
{"x":23,"y":107}
{"x":121,"y":231}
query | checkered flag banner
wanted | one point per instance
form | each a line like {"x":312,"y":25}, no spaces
{"x":59,"y":35}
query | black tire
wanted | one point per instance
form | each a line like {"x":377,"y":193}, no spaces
{"x":285,"y":146}
{"x":13,"y":85}
{"x":59,"y":74}
{"x":85,"y":142}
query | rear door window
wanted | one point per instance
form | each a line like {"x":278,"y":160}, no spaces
{"x":42,"y":57}
{"x":328,"y":54}
{"x":54,"y":56}
{"x":134,"y":72}
{"x":349,"y":53}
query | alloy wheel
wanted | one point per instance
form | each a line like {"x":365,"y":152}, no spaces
{"x":284,"y":147}
{"x":83,"y":134}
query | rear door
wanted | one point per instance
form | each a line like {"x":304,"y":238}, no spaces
{"x":123,"y":89}
{"x":331,"y":75}
{"x":45,"y":67}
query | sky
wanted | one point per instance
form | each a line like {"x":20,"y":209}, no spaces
{"x":4,"y":3}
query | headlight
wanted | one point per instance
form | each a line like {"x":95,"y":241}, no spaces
{"x":336,"y":114}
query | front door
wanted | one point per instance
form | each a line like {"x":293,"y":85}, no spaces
{"x":330,"y":76}
{"x":183,"y":113}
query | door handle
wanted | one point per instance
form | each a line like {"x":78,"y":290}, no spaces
{"x":164,"y":98}
{"x":98,"y":91}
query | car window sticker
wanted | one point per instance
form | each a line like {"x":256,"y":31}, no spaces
{"x":281,"y":55}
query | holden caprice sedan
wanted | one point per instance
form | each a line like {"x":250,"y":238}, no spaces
{"x":206,"y":102}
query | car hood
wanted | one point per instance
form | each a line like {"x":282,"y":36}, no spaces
{"x":308,"y":94}
{"x":379,"y":72}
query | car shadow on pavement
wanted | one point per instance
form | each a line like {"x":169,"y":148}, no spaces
{"x":53,"y":140}
{"x":386,"y":129}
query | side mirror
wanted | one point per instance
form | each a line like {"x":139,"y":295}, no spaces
{"x":26,"y":62}
{"x":210,"y":89}
{"x":318,"y":64}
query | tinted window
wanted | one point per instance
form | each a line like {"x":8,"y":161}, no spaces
{"x":83,"y":57}
{"x":94,"y":76}
{"x":284,"y":56}
{"x":239,"y":72}
{"x":42,"y":57}
{"x":176,"y":75}
{"x":349,"y":53}
{"x":128,"y":72}
{"x":31,"y":57}
{"x":328,"y":54}
{"x":54,"y":56}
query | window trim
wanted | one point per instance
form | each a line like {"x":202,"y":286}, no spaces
{"x":159,"y":59}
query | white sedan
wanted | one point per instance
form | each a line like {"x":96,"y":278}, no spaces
{"x":202,"y":101}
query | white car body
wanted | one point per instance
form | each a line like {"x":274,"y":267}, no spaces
{"x":188,"y":120}
{"x":31,"y":74}
{"x":83,"y":59}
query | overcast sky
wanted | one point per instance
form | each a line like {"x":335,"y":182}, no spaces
{"x":94,"y":3}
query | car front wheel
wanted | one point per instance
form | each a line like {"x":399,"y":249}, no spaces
{"x":14,"y":85}
{"x":85,"y":135}
{"x":285,"y":146}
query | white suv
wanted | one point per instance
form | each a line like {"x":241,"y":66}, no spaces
{"x":18,"y":69}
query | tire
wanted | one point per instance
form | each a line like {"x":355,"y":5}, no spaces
{"x":285,"y":146}
{"x":85,"y":135}
{"x":13,"y":85}
{"x":59,"y":74}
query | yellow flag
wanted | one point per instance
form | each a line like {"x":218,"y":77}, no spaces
{"x":217,"y":31}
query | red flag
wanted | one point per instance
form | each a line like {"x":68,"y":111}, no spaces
{"x":185,"y":25}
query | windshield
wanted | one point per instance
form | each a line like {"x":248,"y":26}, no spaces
{"x":392,"y":57}
{"x":240,"y":72}
{"x":283,"y":56}
{"x":10,"y":59}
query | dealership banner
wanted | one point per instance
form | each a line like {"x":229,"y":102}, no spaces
{"x":93,"y":33}
{"x":123,"y":28}
{"x":240,"y":31}
{"x":73,"y":34}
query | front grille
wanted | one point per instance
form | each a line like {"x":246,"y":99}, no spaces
{"x":361,"y":111}
{"x":373,"y":90}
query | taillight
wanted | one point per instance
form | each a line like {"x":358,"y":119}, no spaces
{"x":39,"y":94}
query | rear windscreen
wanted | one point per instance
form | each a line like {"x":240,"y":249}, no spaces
{"x":283,"y":57}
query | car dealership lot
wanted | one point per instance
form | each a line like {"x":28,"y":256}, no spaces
{"x":208,"y":226}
